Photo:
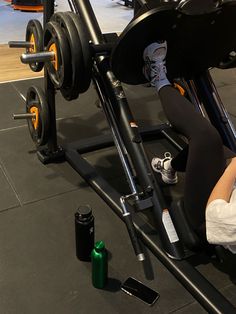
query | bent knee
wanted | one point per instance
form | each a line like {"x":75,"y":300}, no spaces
{"x":209,"y":136}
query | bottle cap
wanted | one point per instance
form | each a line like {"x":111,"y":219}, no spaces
{"x":84,"y":212}
{"x":99,"y":246}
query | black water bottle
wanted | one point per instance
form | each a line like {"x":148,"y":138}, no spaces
{"x":84,"y":232}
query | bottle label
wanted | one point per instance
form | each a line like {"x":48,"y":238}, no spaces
{"x":168,"y":224}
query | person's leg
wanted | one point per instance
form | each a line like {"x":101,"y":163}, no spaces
{"x":205,"y":162}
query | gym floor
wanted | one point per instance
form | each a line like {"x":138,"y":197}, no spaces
{"x":39,"y":270}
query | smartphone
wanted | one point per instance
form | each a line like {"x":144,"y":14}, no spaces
{"x":137,"y":289}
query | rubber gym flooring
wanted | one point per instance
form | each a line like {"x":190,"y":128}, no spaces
{"x":39,"y":270}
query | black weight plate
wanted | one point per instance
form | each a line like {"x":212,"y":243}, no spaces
{"x":55,"y":40}
{"x":70,"y":91}
{"x":38,"y":126}
{"x":34,"y":34}
{"x":85,"y":70}
{"x":195,"y":43}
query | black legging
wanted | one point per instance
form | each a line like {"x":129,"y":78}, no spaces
{"x":205,"y":160}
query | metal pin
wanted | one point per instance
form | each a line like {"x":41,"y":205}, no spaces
{"x":37,"y":57}
{"x":20,"y":44}
{"x":19,"y":116}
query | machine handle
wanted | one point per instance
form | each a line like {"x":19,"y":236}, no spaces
{"x":133,"y":236}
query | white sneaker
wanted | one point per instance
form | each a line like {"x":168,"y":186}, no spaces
{"x":154,"y":68}
{"x":163,"y":166}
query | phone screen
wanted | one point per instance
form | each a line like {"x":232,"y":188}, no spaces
{"x":139,"y":290}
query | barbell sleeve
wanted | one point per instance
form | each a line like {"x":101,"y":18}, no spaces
{"x":19,"y":116}
{"x":44,"y":56}
{"x":20,"y":44}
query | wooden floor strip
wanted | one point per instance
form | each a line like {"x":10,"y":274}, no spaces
{"x":11,"y":68}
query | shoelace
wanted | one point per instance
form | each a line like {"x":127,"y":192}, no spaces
{"x":153,"y":69}
{"x":156,"y":69}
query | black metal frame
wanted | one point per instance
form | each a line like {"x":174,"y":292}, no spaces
{"x":119,"y":115}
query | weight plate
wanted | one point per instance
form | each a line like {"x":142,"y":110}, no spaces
{"x":34,"y":34}
{"x":59,"y":69}
{"x":70,"y":91}
{"x":37,"y":105}
{"x":85,"y":69}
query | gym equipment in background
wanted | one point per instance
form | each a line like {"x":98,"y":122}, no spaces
{"x":28,"y":5}
{"x":180,"y":22}
{"x":129,"y":3}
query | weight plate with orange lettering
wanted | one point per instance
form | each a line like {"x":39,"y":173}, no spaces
{"x":37,"y":105}
{"x":59,"y":68}
{"x":34,"y":35}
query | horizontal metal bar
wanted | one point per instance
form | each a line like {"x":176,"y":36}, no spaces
{"x":19,"y":116}
{"x":44,"y":56}
{"x":20,"y":44}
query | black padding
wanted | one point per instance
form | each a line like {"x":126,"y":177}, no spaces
{"x":195,"y":42}
{"x":183,"y":228}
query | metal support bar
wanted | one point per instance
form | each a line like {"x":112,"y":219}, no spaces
{"x":19,"y":116}
{"x":116,"y":134}
{"x":20,"y":44}
{"x":215,"y":109}
{"x":201,"y":289}
{"x":44,"y":56}
{"x":87,"y":14}
{"x":52,"y":147}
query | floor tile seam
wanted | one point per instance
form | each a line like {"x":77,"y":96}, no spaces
{"x":21,"y":79}
{"x":18,"y":91}
{"x":227,"y":286}
{"x":233,"y":115}
{"x":14,"y":207}
{"x":224,"y":85}
{"x":184,"y":306}
{"x":52,"y":196}
{"x":26,"y":125}
{"x":13,"y":128}
{"x":10,"y":181}
{"x":195,"y":302}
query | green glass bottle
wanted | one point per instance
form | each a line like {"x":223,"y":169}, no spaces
{"x":99,"y":265}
